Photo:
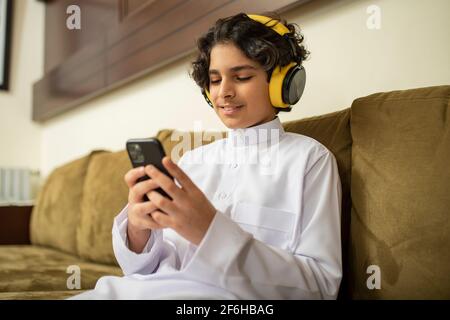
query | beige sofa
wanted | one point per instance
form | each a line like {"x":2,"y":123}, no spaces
{"x":393,"y":152}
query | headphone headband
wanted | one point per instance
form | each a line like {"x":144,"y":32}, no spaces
{"x":276,"y":25}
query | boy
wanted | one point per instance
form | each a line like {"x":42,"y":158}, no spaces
{"x":236,"y":229}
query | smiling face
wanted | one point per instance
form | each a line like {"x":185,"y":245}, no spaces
{"x":238,"y":88}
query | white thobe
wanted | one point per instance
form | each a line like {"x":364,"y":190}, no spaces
{"x":276,"y":233}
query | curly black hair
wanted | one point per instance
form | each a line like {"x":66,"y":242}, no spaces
{"x":258,"y":42}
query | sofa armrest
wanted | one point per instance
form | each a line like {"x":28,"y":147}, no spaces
{"x":15,"y":224}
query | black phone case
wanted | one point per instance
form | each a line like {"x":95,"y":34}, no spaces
{"x":151,"y":152}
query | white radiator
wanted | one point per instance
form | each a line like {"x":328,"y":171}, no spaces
{"x":18,"y":186}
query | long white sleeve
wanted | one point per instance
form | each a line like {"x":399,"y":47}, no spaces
{"x":159,"y":252}
{"x":230,"y":257}
{"x":131,"y":262}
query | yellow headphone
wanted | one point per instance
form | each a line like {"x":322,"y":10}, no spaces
{"x":286,"y":84}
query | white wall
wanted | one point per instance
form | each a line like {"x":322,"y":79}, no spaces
{"x":20,"y":138}
{"x":347,"y":61}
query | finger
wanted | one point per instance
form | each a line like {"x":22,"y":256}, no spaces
{"x":163,"y":203}
{"x":145,"y":208}
{"x":139,"y":189}
{"x":165,"y":182}
{"x":150,"y":223}
{"x":176,"y":172}
{"x":162,"y":219}
{"x":133,"y":175}
{"x":142,"y":215}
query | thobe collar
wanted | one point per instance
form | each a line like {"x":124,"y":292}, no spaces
{"x":266,"y":133}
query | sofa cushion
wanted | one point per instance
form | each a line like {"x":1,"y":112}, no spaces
{"x":400,"y":186}
{"x":30,"y":268}
{"x":55,"y":215}
{"x":105,"y":195}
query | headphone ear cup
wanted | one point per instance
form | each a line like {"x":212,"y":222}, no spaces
{"x":294,"y":85}
{"x":287,"y":85}
{"x":207,"y":97}
{"x":276,"y":84}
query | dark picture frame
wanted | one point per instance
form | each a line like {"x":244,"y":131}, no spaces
{"x":5,"y":42}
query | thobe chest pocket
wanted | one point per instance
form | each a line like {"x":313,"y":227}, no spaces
{"x":269,"y":225}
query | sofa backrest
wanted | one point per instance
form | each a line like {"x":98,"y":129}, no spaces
{"x":400,"y":186}
{"x":56,"y":213}
{"x":105,"y":194}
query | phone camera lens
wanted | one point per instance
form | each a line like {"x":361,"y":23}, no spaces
{"x":136,"y":153}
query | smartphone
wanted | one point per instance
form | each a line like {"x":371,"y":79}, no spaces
{"x":143,"y":152}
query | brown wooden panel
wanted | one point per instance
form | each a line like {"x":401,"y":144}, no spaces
{"x":121,"y":40}
{"x":139,"y":19}
{"x":80,"y":76}
{"x":153,"y":44}
{"x":97,"y":17}
{"x":130,"y":7}
{"x":15,"y":224}
{"x":157,"y":26}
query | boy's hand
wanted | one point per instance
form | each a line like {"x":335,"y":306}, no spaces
{"x":189,"y":212}
{"x":140,"y":222}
